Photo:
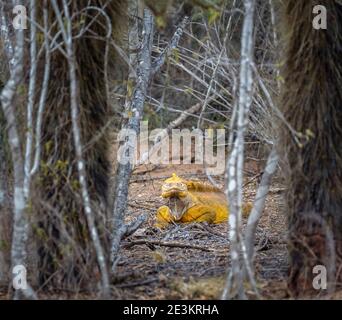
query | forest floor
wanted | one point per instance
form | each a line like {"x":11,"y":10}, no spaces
{"x":198,"y":269}
{"x":192,"y":259}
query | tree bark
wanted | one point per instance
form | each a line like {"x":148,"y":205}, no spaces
{"x":234,"y":172}
{"x":311,"y":102}
{"x":72,"y":174}
{"x":5,"y":217}
{"x":134,"y":111}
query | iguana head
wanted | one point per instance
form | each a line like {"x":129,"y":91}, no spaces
{"x":176,"y":191}
{"x":174,"y":187}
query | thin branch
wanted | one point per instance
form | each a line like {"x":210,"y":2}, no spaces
{"x":259,"y":202}
{"x":5,"y":32}
{"x":213,"y":75}
{"x":160,"y":60}
{"x":172,"y":244}
{"x":129,"y":229}
{"x":31,"y":98}
{"x":43,"y":94}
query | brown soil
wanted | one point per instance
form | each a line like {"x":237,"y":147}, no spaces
{"x":150,"y":271}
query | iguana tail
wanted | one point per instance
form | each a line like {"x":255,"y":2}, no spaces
{"x":201,"y":186}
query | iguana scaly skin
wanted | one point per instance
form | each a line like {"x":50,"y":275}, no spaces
{"x":191,"y":201}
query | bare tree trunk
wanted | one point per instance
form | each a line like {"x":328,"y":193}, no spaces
{"x":71,"y":164}
{"x":311,"y":102}
{"x":6,"y":34}
{"x":20,"y":223}
{"x":74,"y":105}
{"x":3,"y":161}
{"x":5,"y":208}
{"x":18,"y":251}
{"x":134,"y":111}
{"x":234,"y":286}
{"x":5,"y":217}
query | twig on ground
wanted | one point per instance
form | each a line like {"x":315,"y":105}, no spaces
{"x":137,"y":283}
{"x":210,"y":230}
{"x":129,"y":229}
{"x":252,"y":179}
{"x":172,"y":244}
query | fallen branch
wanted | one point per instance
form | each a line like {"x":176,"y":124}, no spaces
{"x":140,"y":206}
{"x":137,"y":283}
{"x":172,"y":244}
{"x":148,"y":170}
{"x":252,"y":179}
{"x":129,"y":229}
{"x":264,"y":243}
{"x":204,"y":226}
{"x":120,"y":278}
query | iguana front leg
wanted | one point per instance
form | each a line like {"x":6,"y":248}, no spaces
{"x":163,"y":217}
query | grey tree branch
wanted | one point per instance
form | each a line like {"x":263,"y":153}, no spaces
{"x":8,"y":48}
{"x":129,"y":229}
{"x":213,"y":75}
{"x":20,"y":223}
{"x":160,"y":60}
{"x":234,"y":285}
{"x":74,"y":98}
{"x":3,"y":168}
{"x":173,"y":244}
{"x":4,"y":197}
{"x":7,"y":36}
{"x":31,"y":99}
{"x":259,"y":202}
{"x":134,"y":111}
{"x":43,"y":94}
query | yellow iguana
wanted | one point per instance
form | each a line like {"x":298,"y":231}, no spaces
{"x":192,"y":201}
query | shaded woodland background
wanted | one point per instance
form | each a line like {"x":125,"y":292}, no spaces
{"x":82,"y":222}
